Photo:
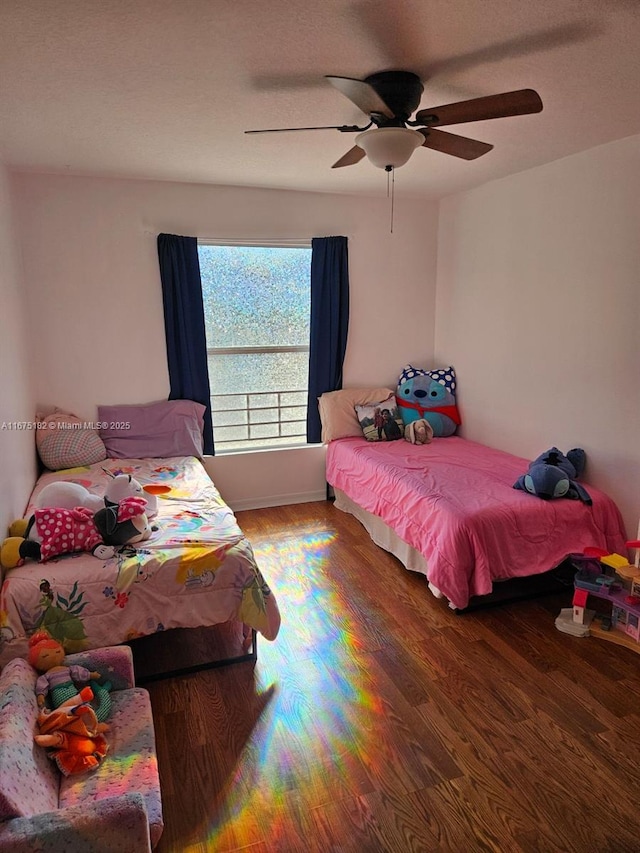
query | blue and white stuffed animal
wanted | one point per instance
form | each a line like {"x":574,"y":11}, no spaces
{"x":553,"y":475}
{"x":429,"y":395}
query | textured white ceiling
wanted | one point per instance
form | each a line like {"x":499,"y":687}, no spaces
{"x":164,"y":89}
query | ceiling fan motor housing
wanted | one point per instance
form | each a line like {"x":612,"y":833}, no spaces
{"x":401,"y":91}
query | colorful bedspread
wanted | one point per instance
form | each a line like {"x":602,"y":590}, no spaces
{"x":197,"y":569}
{"x":453,"y":500}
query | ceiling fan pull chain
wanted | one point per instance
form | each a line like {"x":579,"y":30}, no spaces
{"x":393,"y":187}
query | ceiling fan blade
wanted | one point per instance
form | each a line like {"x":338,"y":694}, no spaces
{"x":353,"y":155}
{"x":451,"y":143}
{"x":521,"y":102}
{"x":343,"y":128}
{"x":362,"y":94}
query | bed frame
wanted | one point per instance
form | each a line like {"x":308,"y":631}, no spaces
{"x":208,"y":641}
{"x":556,"y":580}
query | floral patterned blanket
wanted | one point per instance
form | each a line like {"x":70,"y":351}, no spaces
{"x":197,"y":569}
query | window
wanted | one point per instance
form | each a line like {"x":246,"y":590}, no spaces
{"x":256,"y":306}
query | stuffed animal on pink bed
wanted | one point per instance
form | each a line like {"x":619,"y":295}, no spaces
{"x":418,"y":432}
{"x":69,"y":495}
{"x":53,"y":531}
{"x":429,"y":395}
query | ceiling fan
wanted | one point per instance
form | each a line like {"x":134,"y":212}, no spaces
{"x":389,"y":98}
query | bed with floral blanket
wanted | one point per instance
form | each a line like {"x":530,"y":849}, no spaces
{"x":197,"y":569}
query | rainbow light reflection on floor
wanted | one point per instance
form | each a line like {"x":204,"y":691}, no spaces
{"x":321,"y":710}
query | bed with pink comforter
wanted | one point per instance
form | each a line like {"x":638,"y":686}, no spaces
{"x":453,"y":501}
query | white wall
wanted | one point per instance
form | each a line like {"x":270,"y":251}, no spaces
{"x":270,"y":477}
{"x":95,"y":303}
{"x":538,"y":308}
{"x":17,"y":404}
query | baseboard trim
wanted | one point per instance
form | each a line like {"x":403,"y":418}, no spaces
{"x":278,"y":500}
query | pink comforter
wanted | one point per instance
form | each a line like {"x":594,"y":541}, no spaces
{"x":453,"y":500}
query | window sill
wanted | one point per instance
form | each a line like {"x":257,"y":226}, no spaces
{"x":278,"y":449}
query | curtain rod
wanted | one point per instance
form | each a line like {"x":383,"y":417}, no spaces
{"x":247,"y":241}
{"x":284,"y":242}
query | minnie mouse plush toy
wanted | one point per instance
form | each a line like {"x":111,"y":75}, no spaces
{"x":53,"y":531}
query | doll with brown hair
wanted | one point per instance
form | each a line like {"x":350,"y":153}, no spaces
{"x":58,"y":682}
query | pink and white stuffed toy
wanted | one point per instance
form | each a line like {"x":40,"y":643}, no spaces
{"x":67,"y":495}
{"x":52,"y":531}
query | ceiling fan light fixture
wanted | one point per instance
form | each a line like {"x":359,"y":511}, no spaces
{"x":389,"y":147}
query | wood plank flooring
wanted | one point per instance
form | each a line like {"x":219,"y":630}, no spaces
{"x":381,"y":721}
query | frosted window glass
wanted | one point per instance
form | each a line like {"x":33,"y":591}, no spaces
{"x":296,"y":413}
{"x":291,"y":429}
{"x":225,"y":433}
{"x":264,"y":431}
{"x":262,"y":401}
{"x":255,"y":296}
{"x":263,"y":416}
{"x":248,"y":372}
{"x":235,"y":417}
{"x":223,"y":403}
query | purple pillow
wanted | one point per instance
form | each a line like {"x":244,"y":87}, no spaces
{"x":166,"y":428}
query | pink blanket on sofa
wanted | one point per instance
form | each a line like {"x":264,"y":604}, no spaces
{"x":453,"y":500}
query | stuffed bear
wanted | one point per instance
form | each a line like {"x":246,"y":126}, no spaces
{"x":52,"y":531}
{"x":553,"y":475}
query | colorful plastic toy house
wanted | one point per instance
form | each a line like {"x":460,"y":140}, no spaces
{"x":610,"y":577}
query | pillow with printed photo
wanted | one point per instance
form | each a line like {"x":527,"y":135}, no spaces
{"x":381,"y":421}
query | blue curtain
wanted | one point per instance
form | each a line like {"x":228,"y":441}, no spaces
{"x":184,"y":325}
{"x":329,"y":323}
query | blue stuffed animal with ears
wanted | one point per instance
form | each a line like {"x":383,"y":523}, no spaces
{"x":429,"y":395}
{"x":553,"y":475}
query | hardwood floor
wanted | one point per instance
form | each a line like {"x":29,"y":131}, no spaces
{"x":380,"y":721}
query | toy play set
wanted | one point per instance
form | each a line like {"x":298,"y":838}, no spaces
{"x":611,"y":578}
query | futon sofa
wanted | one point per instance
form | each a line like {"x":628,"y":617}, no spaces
{"x":116,"y":807}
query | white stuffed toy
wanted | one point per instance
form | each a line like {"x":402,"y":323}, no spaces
{"x":120,"y":486}
{"x":125,"y":486}
{"x":68,"y":496}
